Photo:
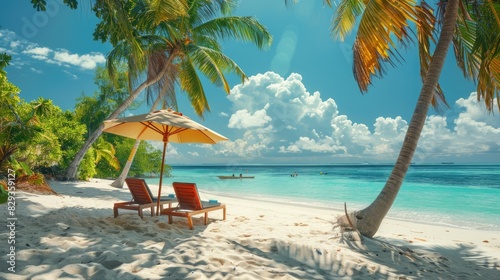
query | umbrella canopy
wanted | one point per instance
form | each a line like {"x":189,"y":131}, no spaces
{"x":166,"y":126}
{"x":163,"y":125}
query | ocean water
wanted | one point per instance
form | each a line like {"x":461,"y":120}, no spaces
{"x":465,"y":196}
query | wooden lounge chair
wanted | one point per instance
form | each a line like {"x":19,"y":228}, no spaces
{"x":190,"y":204}
{"x":141,"y":198}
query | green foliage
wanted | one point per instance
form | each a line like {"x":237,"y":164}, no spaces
{"x":175,"y":42}
{"x":147,"y":160}
{"x":58,"y":138}
{"x":4,"y":195}
{"x":87,"y":168}
{"x":69,"y":133}
{"x":93,"y":110}
{"x":40,"y":5}
{"x":4,"y":62}
{"x":21,"y":168}
{"x":11,"y":126}
{"x":35,"y":135}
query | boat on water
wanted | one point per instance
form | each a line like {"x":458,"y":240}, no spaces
{"x":236,"y":177}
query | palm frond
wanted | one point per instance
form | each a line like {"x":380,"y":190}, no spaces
{"x":246,"y":29}
{"x":105,"y":150}
{"x":190,"y":83}
{"x":201,"y":10}
{"x":213,"y":64}
{"x":380,"y":24}
{"x":488,"y":86}
{"x":463,"y":44}
{"x":345,"y":17}
{"x":484,"y":35}
{"x":164,"y":11}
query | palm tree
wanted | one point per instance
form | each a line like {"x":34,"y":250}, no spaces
{"x":118,"y":182}
{"x":198,"y":51}
{"x":176,"y":49}
{"x":381,"y":21}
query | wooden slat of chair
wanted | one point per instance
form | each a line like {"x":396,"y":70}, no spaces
{"x":189,"y":204}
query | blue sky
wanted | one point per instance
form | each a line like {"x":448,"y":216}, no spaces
{"x":300,"y":104}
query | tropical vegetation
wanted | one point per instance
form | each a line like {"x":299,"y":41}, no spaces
{"x":38,"y":139}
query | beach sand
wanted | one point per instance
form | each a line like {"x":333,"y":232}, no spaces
{"x":74,"y":236}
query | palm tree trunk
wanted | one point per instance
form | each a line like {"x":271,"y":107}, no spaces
{"x":73,"y":167}
{"x":369,"y":219}
{"x":118,"y":183}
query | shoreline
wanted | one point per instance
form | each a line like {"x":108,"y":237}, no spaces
{"x":75,"y":234}
{"x":322,"y":206}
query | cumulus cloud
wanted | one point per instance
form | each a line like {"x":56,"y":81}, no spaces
{"x":276,"y":119}
{"x":11,"y":43}
{"x":275,"y":114}
{"x":15,"y":44}
{"x":86,"y":61}
{"x":244,"y":120}
{"x":280,"y":117}
{"x":38,"y":51}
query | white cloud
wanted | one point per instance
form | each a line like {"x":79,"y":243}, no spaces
{"x":15,"y":44}
{"x":279,"y":117}
{"x":38,"y":51}
{"x":73,"y":76}
{"x":36,"y":70}
{"x":86,"y":61}
{"x":10,"y":42}
{"x":274,"y":110}
{"x":244,"y":120}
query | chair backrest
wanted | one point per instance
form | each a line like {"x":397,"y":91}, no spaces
{"x":139,"y":190}
{"x":187,"y":195}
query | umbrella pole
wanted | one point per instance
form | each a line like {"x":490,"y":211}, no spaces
{"x":161,"y":178}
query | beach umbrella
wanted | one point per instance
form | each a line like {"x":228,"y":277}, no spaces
{"x":166,"y":126}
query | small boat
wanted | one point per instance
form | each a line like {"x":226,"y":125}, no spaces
{"x":236,"y":177}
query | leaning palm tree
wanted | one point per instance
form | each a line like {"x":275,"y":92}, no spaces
{"x":475,"y":41}
{"x":120,"y":180}
{"x":193,"y":39}
{"x":176,"y":50}
{"x":120,"y":25}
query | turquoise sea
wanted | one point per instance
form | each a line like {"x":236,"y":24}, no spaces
{"x":466,"y":196}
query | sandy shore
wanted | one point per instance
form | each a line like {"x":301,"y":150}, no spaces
{"x":74,"y":236}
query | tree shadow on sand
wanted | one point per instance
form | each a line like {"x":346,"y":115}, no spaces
{"x":76,"y":242}
{"x":83,"y":242}
{"x":375,"y":259}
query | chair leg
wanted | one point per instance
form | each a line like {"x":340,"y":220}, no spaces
{"x":190,"y":222}
{"x":170,"y":220}
{"x":140,"y":213}
{"x":115,"y":211}
{"x":206,"y":218}
{"x":152,"y":211}
{"x":224,"y":213}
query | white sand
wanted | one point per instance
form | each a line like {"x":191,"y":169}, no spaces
{"x":74,"y":236}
